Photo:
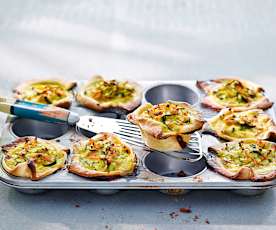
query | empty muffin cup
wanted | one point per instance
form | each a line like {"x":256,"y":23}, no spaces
{"x":26,"y":127}
{"x":164,"y":92}
{"x":167,"y":166}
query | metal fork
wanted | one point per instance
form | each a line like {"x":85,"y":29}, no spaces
{"x":131,"y":134}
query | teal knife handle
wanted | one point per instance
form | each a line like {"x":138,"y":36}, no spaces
{"x":39,"y":112}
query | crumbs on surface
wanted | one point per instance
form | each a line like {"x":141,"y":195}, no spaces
{"x":173,"y":215}
{"x":185,"y":210}
{"x":198,"y":179}
{"x":195,"y":218}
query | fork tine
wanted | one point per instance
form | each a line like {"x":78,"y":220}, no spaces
{"x":123,"y":132}
{"x":135,"y":144}
{"x":130,"y":138}
{"x":132,"y":135}
{"x":192,"y":145}
{"x":195,"y":148}
{"x":168,"y":154}
{"x":193,"y":141}
{"x":131,"y":130}
{"x":141,"y":144}
{"x":129,"y":127}
{"x":194,"y":151}
{"x":121,"y":121}
{"x":126,"y":132}
{"x":165,"y":153}
{"x":127,"y":124}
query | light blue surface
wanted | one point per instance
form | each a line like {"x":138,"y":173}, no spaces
{"x":139,"y":39}
{"x":83,"y":209}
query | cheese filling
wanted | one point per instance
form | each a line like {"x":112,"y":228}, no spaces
{"x":44,"y":92}
{"x":234,"y":93}
{"x":172,"y":116}
{"x":105,"y":155}
{"x":103,"y":90}
{"x":248,"y":124}
{"x":41,"y":155}
{"x":258,"y":156}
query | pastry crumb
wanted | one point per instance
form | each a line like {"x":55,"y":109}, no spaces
{"x":195,"y":218}
{"x":185,"y":210}
{"x":173,"y":215}
{"x":198,"y":179}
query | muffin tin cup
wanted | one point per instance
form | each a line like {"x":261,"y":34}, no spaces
{"x":21,"y":127}
{"x":175,"y":92}
{"x":166,"y":166}
{"x":168,"y":175}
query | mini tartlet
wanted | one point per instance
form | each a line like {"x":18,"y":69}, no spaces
{"x":51,"y":92}
{"x":167,"y":126}
{"x":103,"y":95}
{"x":102,"y":156}
{"x":233,"y":93}
{"x":231,"y":125}
{"x":249,"y":159}
{"x":33,"y":158}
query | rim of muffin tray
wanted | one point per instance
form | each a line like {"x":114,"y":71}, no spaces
{"x":147,"y":176}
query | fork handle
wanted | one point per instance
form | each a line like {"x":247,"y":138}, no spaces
{"x":41,"y":112}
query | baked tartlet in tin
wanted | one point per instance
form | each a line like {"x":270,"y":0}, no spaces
{"x":249,"y":159}
{"x":110,"y":95}
{"x":33,"y":158}
{"x":167,"y":126}
{"x":52,"y":92}
{"x":233,"y":93}
{"x":102,"y":156}
{"x":232,"y":125}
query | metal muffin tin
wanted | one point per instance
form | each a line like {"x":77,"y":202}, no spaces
{"x":154,"y":170}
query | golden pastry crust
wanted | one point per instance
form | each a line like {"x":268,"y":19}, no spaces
{"x":52,"y":91}
{"x":167,"y":126}
{"x":33,"y":158}
{"x":237,"y":125}
{"x":102,"y":156}
{"x":249,"y":159}
{"x":234,"y":93}
{"x":101,"y":95}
